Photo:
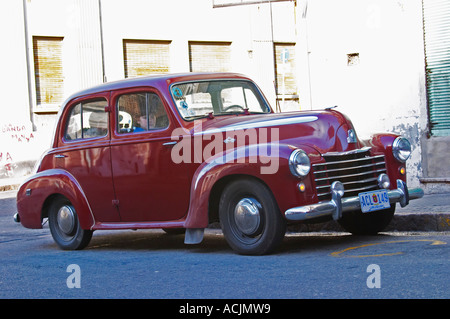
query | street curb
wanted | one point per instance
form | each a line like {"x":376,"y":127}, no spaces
{"x":6,"y":188}
{"x":420,"y":222}
{"x":429,"y":222}
{"x":11,"y":184}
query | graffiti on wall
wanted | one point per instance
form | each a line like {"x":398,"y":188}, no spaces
{"x":14,"y":139}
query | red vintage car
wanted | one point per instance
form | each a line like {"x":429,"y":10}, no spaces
{"x":180,"y":151}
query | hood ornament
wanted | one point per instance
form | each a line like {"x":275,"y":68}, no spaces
{"x":229,"y":140}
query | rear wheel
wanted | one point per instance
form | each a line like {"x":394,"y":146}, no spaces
{"x":65,"y":226}
{"x":250,"y":218}
{"x":359,"y":223}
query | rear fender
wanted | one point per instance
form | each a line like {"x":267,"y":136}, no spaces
{"x":35,"y":196}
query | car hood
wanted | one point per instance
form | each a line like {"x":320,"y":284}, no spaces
{"x":325,"y":131}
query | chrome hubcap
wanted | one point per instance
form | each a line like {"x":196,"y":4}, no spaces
{"x":66,"y":219}
{"x":247,"y":216}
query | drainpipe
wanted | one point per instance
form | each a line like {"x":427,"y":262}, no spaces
{"x":29,"y":73}
{"x":277,"y":104}
{"x":101,"y":39}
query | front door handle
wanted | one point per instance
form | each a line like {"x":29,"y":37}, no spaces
{"x":170,"y":143}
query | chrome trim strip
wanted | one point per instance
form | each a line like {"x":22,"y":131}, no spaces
{"x":357,"y":151}
{"x":259,"y":124}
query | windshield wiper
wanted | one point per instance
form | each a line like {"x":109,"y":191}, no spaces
{"x":210,"y":115}
{"x":194,"y":117}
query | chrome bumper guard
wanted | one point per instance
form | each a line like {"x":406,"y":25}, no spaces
{"x":337,"y":205}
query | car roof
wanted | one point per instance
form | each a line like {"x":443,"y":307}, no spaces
{"x":153,"y":80}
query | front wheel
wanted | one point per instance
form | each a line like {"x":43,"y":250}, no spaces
{"x":359,"y":223}
{"x":250,"y":219}
{"x":65,"y":226}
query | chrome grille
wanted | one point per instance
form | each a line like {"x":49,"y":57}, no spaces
{"x":357,"y":170}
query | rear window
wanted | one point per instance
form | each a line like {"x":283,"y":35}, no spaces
{"x":87,"y":120}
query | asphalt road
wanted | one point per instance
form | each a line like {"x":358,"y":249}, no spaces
{"x":151,"y":264}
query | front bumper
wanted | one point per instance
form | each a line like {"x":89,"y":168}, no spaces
{"x":337,"y":205}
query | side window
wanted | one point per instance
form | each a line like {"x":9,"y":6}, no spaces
{"x":140,"y":112}
{"x":240,"y":96}
{"x":87,"y":120}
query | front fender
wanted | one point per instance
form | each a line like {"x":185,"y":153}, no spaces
{"x":35,"y":195}
{"x":267,"y":162}
{"x":383,"y":143}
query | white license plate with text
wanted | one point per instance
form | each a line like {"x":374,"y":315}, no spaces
{"x":374,"y":200}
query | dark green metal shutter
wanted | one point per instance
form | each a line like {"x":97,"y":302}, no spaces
{"x":436,"y":17}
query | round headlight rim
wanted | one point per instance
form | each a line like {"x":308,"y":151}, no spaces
{"x":396,"y":149}
{"x":293,"y":163}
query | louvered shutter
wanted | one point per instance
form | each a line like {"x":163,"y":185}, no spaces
{"x":144,"y":57}
{"x":209,"y":56}
{"x":287,"y":68}
{"x":48,"y":69}
{"x":436,"y":16}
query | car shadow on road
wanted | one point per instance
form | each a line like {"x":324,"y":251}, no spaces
{"x":214,"y":241}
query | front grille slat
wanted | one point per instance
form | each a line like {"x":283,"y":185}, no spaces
{"x":366,"y":181}
{"x":338,"y":177}
{"x":377,"y":157}
{"x":352,"y":168}
{"x":358,"y":171}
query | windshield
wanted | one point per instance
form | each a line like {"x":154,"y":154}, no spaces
{"x":219,"y":97}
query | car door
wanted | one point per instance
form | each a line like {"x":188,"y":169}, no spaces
{"x":149,"y":185}
{"x":84,"y":152}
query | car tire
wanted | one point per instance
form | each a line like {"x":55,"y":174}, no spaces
{"x":359,"y":223}
{"x":250,"y":219}
{"x":65,"y":226}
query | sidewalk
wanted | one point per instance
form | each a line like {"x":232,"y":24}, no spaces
{"x":7,"y":184}
{"x":429,"y":213}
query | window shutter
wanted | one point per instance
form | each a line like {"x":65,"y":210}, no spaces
{"x":144,"y":57}
{"x":210,"y":56}
{"x":436,"y":15}
{"x":288,"y":68}
{"x":48,"y":69}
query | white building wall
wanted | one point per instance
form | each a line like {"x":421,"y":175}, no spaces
{"x":383,"y":91}
{"x":16,"y":132}
{"x":24,"y":137}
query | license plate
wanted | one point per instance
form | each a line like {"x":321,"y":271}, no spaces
{"x":374,"y":200}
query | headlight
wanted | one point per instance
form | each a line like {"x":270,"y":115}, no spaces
{"x":299,"y":163}
{"x":401,"y":148}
